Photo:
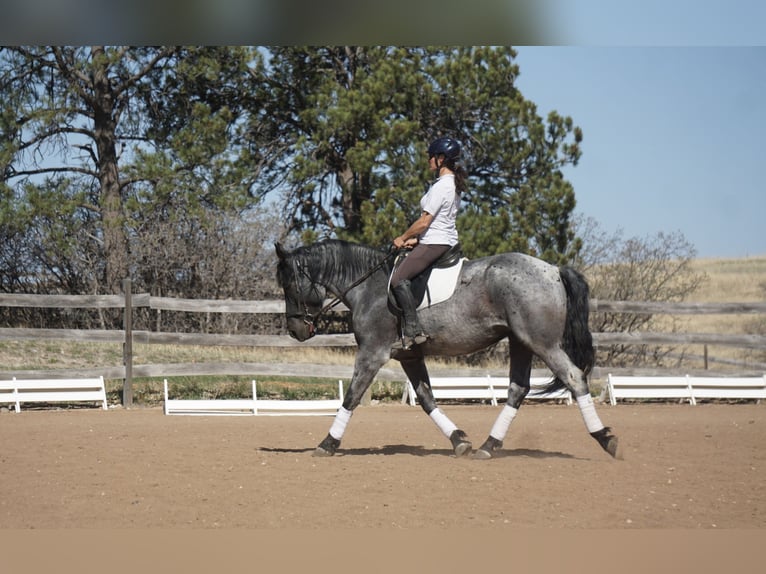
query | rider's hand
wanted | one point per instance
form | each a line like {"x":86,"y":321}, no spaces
{"x":400,"y":243}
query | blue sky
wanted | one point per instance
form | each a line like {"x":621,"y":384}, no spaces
{"x":653,"y":22}
{"x":673,"y":137}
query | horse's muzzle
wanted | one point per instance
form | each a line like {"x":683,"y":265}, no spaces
{"x":300,"y":329}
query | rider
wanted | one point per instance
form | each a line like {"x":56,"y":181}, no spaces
{"x":431,"y":235}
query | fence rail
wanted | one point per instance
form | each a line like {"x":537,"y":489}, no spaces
{"x":263,"y":306}
{"x":127,"y":336}
{"x":347,"y":339}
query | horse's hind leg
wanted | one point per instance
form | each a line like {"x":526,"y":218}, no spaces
{"x":576,"y":381}
{"x":521,"y":368}
{"x":417,"y":374}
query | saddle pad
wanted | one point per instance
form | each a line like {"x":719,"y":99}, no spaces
{"x":441,"y":284}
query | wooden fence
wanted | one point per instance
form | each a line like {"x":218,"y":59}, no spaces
{"x":127,"y":336}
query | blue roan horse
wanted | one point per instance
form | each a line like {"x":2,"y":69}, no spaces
{"x":541,"y":309}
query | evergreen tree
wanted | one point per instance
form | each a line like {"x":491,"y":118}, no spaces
{"x":360,"y":120}
{"x":101,"y":146}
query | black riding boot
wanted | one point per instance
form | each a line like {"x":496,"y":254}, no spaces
{"x":413,"y":332}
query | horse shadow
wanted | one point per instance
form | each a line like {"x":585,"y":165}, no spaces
{"x":420,"y":451}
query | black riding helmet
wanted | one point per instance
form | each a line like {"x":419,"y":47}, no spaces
{"x":445,"y":146}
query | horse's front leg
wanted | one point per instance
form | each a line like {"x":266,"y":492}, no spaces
{"x":366,"y":366}
{"x":416,"y":371}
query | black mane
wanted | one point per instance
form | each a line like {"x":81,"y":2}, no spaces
{"x":337,"y":261}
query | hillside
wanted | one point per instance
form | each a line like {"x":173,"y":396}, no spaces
{"x":730,"y":281}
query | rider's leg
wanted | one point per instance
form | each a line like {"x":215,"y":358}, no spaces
{"x":417,"y":261}
{"x":413,"y":331}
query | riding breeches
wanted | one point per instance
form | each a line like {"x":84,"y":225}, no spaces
{"x":417,"y":261}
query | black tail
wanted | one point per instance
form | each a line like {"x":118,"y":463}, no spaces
{"x":578,"y":341}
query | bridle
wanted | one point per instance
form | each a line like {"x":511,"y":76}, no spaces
{"x":309,"y":319}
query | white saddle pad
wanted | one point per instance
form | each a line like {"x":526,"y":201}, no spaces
{"x":441,"y":285}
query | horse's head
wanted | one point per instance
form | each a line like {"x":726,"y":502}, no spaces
{"x":303,"y":297}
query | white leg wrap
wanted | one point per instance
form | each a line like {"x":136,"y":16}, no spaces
{"x":339,"y":424}
{"x":444,"y":424}
{"x":588,"y":411}
{"x":503,"y":422}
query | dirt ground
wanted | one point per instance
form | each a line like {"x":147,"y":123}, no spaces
{"x":685,"y":467}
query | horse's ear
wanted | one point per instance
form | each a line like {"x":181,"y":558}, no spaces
{"x":281,"y":253}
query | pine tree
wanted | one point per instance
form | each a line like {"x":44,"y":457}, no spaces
{"x":360,"y":120}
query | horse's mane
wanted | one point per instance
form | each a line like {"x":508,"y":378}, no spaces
{"x":338,"y":261}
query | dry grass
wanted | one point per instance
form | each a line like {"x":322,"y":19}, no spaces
{"x":151,"y":354}
{"x":726,"y":281}
{"x":730,"y":281}
{"x":60,"y":354}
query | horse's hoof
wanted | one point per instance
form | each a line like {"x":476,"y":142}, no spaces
{"x":481,"y":454}
{"x":613,"y":448}
{"x":485,"y":451}
{"x":608,"y":442}
{"x":327,"y":447}
{"x":463,"y":449}
{"x":460,"y":443}
{"x":322,"y":453}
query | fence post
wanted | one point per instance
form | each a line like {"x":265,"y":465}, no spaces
{"x":127,"y":346}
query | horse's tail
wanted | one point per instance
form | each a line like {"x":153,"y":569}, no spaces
{"x":578,"y":341}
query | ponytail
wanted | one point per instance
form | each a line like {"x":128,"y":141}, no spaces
{"x":461,"y":179}
{"x":461,"y":175}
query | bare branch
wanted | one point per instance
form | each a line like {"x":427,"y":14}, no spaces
{"x":49,"y":170}
{"x":56,"y":130}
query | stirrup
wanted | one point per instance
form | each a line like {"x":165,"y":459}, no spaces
{"x":420,"y":338}
{"x":406,"y":342}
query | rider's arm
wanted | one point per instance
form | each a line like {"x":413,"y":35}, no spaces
{"x":414,"y":230}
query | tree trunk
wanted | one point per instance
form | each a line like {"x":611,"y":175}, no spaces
{"x":115,"y":240}
{"x":350,"y":199}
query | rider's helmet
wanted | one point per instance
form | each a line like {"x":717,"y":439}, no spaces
{"x":445,"y":146}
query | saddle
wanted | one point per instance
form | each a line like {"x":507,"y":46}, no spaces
{"x":436,"y":283}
